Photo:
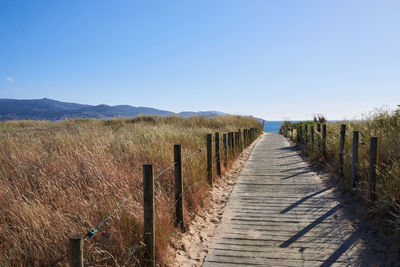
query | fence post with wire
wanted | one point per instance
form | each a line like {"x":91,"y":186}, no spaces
{"x":225,"y":150}
{"x":217,"y":155}
{"x":233,"y":144}
{"x":324,"y":141}
{"x":244,"y":137}
{"x":148,"y":211}
{"x":229,"y":144}
{"x":209,"y":159}
{"x":240,"y":140}
{"x":75,"y":248}
{"x":237,"y":142}
{"x":178,"y":187}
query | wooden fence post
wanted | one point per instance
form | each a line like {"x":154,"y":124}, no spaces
{"x":178,"y":187}
{"x":230,"y":144}
{"x":319,"y":136}
{"x":209,"y":160}
{"x":148,"y":215}
{"x":354,"y":165}
{"x":240,"y":141}
{"x":306,"y":134}
{"x":225,"y":150}
{"x":233,"y":144}
{"x":217,"y":157}
{"x":324,"y":141}
{"x":298,"y":133}
{"x":341,"y":149}
{"x":75,"y":251}
{"x":228,"y":135}
{"x":301,"y":134}
{"x":312,"y":136}
{"x":244,"y":138}
{"x":236,"y":142}
{"x":247,"y":137}
{"x":373,"y":151}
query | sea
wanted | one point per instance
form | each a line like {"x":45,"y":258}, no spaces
{"x":272,"y":126}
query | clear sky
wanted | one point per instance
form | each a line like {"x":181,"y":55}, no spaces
{"x":271,"y":59}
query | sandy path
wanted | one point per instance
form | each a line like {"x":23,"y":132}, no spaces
{"x":190,"y":248}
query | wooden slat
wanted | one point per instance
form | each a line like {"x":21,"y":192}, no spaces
{"x":280,"y":213}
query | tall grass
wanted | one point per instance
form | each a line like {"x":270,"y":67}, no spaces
{"x":385,"y":125}
{"x":62,"y":178}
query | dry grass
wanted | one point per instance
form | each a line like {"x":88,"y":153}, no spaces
{"x":386,"y":126}
{"x":62,"y":178}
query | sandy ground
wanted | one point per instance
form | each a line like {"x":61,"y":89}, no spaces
{"x":191,"y":247}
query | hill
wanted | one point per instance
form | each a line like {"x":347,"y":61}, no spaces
{"x":49,"y":109}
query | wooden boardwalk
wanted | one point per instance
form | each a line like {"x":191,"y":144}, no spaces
{"x":280,"y":213}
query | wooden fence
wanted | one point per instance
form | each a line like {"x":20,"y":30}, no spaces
{"x":300,"y":135}
{"x":233,"y":144}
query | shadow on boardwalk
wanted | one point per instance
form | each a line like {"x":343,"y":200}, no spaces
{"x":377,"y":248}
{"x":281,"y":213}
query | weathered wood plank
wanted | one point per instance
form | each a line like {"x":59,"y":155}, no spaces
{"x":281,"y":214}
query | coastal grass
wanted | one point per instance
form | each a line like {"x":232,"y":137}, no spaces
{"x":385,"y":125}
{"x":63,"y":178}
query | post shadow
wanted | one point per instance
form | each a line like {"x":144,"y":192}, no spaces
{"x":294,"y":169}
{"x":297,"y":203}
{"x":309,"y":227}
{"x":294,"y":175}
{"x":341,"y":250}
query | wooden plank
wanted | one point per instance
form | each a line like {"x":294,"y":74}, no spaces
{"x":281,"y":214}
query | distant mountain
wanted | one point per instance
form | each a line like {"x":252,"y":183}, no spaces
{"x":188,"y":114}
{"x":48,"y":109}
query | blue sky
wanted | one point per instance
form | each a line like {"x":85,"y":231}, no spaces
{"x":271,"y":59}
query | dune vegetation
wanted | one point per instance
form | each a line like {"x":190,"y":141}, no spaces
{"x":63,"y":178}
{"x":383,"y":124}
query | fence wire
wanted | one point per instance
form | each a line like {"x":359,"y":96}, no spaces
{"x":175,"y":162}
{"x":60,"y":259}
{"x":138,"y":245}
{"x":183,"y":193}
{"x":93,"y":231}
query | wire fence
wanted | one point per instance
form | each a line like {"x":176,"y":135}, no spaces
{"x":183,"y":193}
{"x":139,"y":244}
{"x":175,"y":162}
{"x":233,"y":144}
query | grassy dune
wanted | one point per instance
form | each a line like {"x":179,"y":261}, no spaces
{"x":63,"y":178}
{"x":386,"y":126}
